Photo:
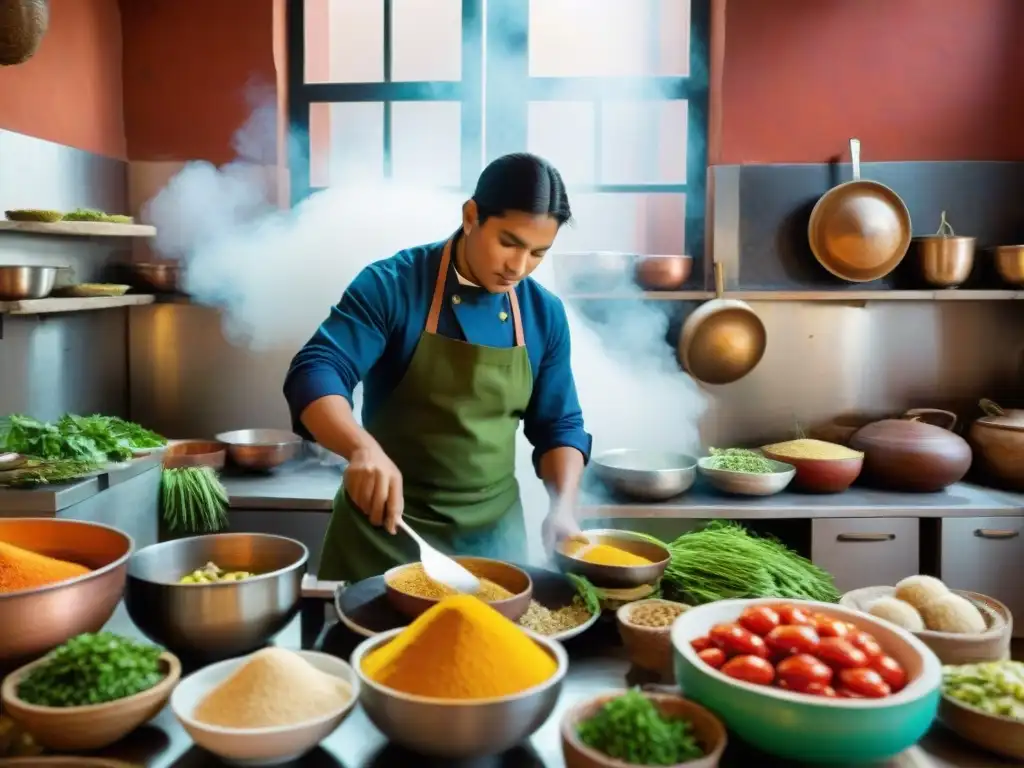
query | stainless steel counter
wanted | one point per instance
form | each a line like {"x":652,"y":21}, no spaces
{"x":596,"y":666}
{"x":311,"y":486}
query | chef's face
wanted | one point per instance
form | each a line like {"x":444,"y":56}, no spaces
{"x":506,"y":248}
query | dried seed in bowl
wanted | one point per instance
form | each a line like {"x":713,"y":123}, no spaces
{"x":545,"y":621}
{"x":413,"y":580}
{"x":655,"y":615}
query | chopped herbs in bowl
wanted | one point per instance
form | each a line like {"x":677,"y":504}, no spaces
{"x":92,"y":669}
{"x":643,"y":729}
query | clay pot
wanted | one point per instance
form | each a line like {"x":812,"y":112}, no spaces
{"x":998,"y":442}
{"x":908,"y":454}
{"x":22,"y":26}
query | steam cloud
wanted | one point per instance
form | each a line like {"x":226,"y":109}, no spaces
{"x":275,"y":274}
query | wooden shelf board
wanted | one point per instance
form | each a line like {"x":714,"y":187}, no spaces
{"x":72,"y":304}
{"x":78,"y":228}
{"x":836,"y":296}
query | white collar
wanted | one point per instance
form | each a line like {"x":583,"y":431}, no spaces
{"x":462,"y":280}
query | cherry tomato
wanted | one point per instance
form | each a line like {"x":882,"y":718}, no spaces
{"x":817,"y":689}
{"x":866,"y":643}
{"x":760,"y":619}
{"x":865,"y":682}
{"x":701,"y":643}
{"x":750,"y":669}
{"x":846,"y":693}
{"x":840,"y":654}
{"x":798,"y":672}
{"x":890,"y":671}
{"x":713,"y":657}
{"x":826,"y":626}
{"x":794,"y":614}
{"x":737,"y":641}
{"x":788,"y":640}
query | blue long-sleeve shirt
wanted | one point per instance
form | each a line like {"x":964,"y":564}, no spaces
{"x":371,"y":334}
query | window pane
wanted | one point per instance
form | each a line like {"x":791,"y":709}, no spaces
{"x":344,"y":41}
{"x":346,"y":143}
{"x":563,"y":132}
{"x":426,"y":40}
{"x":635,"y":223}
{"x":426,"y":142}
{"x":643,"y":142}
{"x":609,"y":38}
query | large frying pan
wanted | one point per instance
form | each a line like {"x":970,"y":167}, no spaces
{"x":860,"y":230}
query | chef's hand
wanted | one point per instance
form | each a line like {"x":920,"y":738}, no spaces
{"x":374,"y":484}
{"x":559,"y":525}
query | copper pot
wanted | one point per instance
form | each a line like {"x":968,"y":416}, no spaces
{"x":1010,"y":263}
{"x":908,"y":454}
{"x":998,"y":442}
{"x":663,"y":273}
{"x":22,"y":26}
{"x":945,"y":259}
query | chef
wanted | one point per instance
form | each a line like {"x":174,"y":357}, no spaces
{"x":454,"y":343}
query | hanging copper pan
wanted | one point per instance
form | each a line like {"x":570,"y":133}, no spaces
{"x":860,"y":230}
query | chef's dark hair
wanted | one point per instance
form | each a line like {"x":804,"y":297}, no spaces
{"x":521,"y":182}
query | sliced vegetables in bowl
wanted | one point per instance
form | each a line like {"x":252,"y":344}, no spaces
{"x":984,"y":703}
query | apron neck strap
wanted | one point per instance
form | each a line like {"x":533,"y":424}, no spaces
{"x":439,"y":285}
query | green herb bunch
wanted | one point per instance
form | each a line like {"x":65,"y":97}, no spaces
{"x":725,"y":561}
{"x":632,"y":729}
{"x":193,"y":500}
{"x":97,"y":439}
{"x":92,"y":669}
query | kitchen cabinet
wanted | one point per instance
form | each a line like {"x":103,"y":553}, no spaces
{"x":985,"y":554}
{"x":307,"y":526}
{"x":866,"y":551}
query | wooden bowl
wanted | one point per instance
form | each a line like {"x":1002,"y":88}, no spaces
{"x":1001,"y":735}
{"x":951,"y":648}
{"x":93,"y":726}
{"x":648,"y":648}
{"x":515,"y":580}
{"x":707,"y":728}
{"x":821,"y":475}
{"x":195,"y":453}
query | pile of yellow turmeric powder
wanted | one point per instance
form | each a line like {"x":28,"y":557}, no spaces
{"x":22,"y":569}
{"x":460,"y":649}
{"x":603,"y":554}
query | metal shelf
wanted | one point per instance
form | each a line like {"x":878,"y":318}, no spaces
{"x":836,"y":296}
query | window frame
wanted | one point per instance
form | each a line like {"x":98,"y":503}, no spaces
{"x":507,"y":33}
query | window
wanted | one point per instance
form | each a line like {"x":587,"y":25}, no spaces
{"x":614,"y":92}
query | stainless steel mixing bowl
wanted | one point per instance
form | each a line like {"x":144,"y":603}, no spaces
{"x":25,"y":282}
{"x":646,"y":475}
{"x":35,"y":621}
{"x":458,"y":729}
{"x":219,"y":620}
{"x":261,"y":449}
{"x":618,"y":576}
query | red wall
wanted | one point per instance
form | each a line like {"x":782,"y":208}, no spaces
{"x":913,"y":79}
{"x":188,"y":68}
{"x":70,"y":91}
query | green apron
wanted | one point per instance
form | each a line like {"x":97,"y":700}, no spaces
{"x":450,"y":427}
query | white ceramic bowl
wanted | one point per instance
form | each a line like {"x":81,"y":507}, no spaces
{"x":812,"y":728}
{"x":259,"y":746}
{"x":748,"y":483}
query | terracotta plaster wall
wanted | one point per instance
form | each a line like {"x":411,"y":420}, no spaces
{"x":913,"y":79}
{"x":70,"y":91}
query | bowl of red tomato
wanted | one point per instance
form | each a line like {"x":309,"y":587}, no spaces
{"x":808,"y":681}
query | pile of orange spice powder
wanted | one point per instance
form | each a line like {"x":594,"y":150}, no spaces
{"x":23,"y":569}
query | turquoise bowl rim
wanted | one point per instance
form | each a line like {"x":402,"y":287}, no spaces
{"x":925,"y":684}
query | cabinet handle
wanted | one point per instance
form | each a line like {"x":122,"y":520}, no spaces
{"x":863,"y":537}
{"x":989,"y":533}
